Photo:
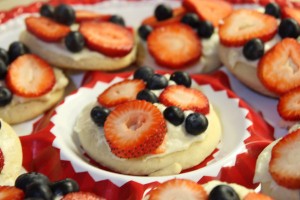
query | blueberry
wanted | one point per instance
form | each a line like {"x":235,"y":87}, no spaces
{"x":273,"y":9}
{"x":117,"y":19}
{"x":3,"y":69}
{"x":74,"y":41}
{"x":143,"y":73}
{"x":5,"y":96}
{"x":174,"y":115}
{"x":196,"y":123}
{"x":162,"y":12}
{"x":64,"y":187}
{"x":254,"y":49}
{"x":157,"y":82}
{"x":181,"y":78}
{"x":144,"y":31}
{"x":64,"y":14}
{"x":289,"y":28}
{"x":190,"y":19}
{"x":205,"y":29}
{"x":99,"y":115}
{"x":32,"y":177}
{"x":223,"y":192}
{"x":4,"y":56}
{"x":147,"y":95}
{"x":17,"y":49}
{"x":39,"y":190}
{"x":47,"y":10}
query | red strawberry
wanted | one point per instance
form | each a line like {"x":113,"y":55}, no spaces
{"x":82,"y":196}
{"x":284,"y":163}
{"x":134,"y":128}
{"x":121,"y":92}
{"x":11,"y":193}
{"x":178,"y":189}
{"x":288,"y":12}
{"x":1,"y":160}
{"x":178,"y":13}
{"x":237,"y":32}
{"x":107,"y":38}
{"x":174,"y":45}
{"x":30,"y":76}
{"x":279,"y":68}
{"x":85,"y":15}
{"x":288,"y":106}
{"x":213,"y":10}
{"x":256,"y":196}
{"x":185,"y":98}
{"x":46,"y":29}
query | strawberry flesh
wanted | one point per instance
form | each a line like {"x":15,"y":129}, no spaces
{"x":82,"y":196}
{"x":256,"y":196}
{"x":1,"y":160}
{"x":11,"y":193}
{"x":288,"y":12}
{"x":288,"y":105}
{"x":84,"y":15}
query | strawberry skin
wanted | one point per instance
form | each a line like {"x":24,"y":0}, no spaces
{"x":107,"y":38}
{"x":174,"y":46}
{"x":30,"y":76}
{"x":210,"y":10}
{"x":11,"y":193}
{"x":288,"y":106}
{"x":288,"y":12}
{"x":134,"y":128}
{"x":185,"y":98}
{"x":279,"y":68}
{"x":46,"y":29}
{"x":121,"y":92}
{"x":82,"y":196}
{"x":1,"y":160}
{"x":284,"y":163}
{"x":237,"y":32}
{"x":85,"y":15}
{"x":256,"y":196}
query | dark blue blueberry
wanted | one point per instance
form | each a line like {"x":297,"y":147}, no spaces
{"x":144,"y":73}
{"x":289,"y":28}
{"x":205,"y":29}
{"x":147,"y":95}
{"x":47,"y":10}
{"x":181,"y":78}
{"x":223,"y":192}
{"x":162,"y":12}
{"x":3,"y":69}
{"x":99,"y":115}
{"x":64,"y":14}
{"x":144,"y":31}
{"x":64,"y":187}
{"x":157,"y":82}
{"x":74,"y":41}
{"x":273,"y":9}
{"x":190,"y":19}
{"x":5,"y":96}
{"x":254,"y":49}
{"x":117,"y":19}
{"x":196,"y":123}
{"x":4,"y":56}
{"x":39,"y":190}
{"x":31,"y":177}
{"x":17,"y":49}
{"x":174,"y":115}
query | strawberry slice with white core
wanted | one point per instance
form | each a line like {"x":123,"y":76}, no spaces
{"x":243,"y":25}
{"x":121,"y":92}
{"x":85,"y":15}
{"x":82,"y":196}
{"x":134,"y":128}
{"x":279,"y":68}
{"x":178,"y":189}
{"x":107,"y":38}
{"x":30,"y":76}
{"x":11,"y":193}
{"x":285,"y":161}
{"x":1,"y":160}
{"x":174,"y":46}
{"x":185,"y":98}
{"x":288,"y":105}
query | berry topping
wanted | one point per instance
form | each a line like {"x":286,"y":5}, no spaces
{"x":46,"y":29}
{"x":107,"y":38}
{"x":65,"y":186}
{"x":236,"y":32}
{"x":4,"y":56}
{"x":181,"y":78}
{"x":134,"y":128}
{"x":273,"y":9}
{"x":147,"y":95}
{"x":47,"y":10}
{"x":99,"y":115}
{"x":256,"y":196}
{"x":82,"y":196}
{"x":185,"y":98}
{"x":5,"y":96}
{"x":162,"y":12}
{"x":279,"y":68}
{"x":39,"y":78}
{"x":144,"y":73}
{"x":196,"y":123}
{"x":190,"y":19}
{"x":74,"y":41}
{"x":174,"y":115}
{"x":31,"y":177}
{"x":174,"y":46}
{"x":144,"y":31}
{"x":288,"y":106}
{"x":223,"y":192}
{"x":17,"y":49}
{"x":284,"y":163}
{"x":178,"y":189}
{"x":289,"y":28}
{"x":3,"y":69}
{"x":85,"y":15}
{"x":121,"y":92}
{"x":1,"y":160}
{"x":213,"y":11}
{"x":288,"y":12}
{"x":117,"y":19}
{"x":254,"y":49}
{"x":64,"y":14}
{"x":157,"y":82}
{"x":38,"y":190}
{"x":11,"y":193}
{"x":205,"y":29}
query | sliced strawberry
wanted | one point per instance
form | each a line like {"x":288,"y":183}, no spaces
{"x":213,"y":10}
{"x":1,"y":160}
{"x":284,"y":163}
{"x":279,"y":68}
{"x":85,"y":15}
{"x":185,"y":98}
{"x":121,"y":92}
{"x":11,"y":193}
{"x":82,"y":196}
{"x":134,"y":128}
{"x":30,"y":76}
{"x":178,"y":13}
{"x":178,"y":189}
{"x":107,"y":38}
{"x":237,"y":32}
{"x":288,"y":106}
{"x":288,"y":12}
{"x":257,"y":196}
{"x":46,"y":29}
{"x":174,"y":46}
